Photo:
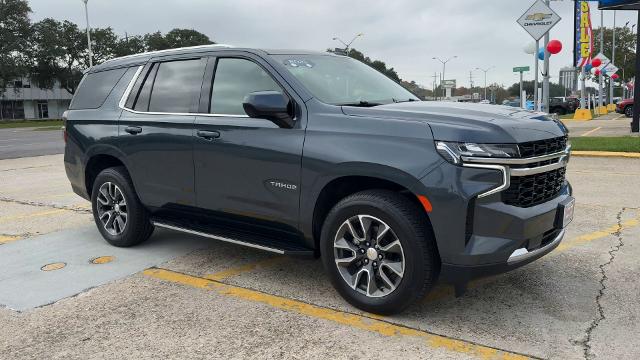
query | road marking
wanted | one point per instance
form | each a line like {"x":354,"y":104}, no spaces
{"x":53,"y":266}
{"x":102,"y":260}
{"x":591,"y":131}
{"x":221,"y":275}
{"x":586,"y":238}
{"x":632,"y":155}
{"x":344,"y":318}
{"x":32,"y":215}
{"x":5,"y":239}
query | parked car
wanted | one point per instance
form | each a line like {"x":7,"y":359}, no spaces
{"x":625,"y":107}
{"x":562,"y":106}
{"x":316,"y":154}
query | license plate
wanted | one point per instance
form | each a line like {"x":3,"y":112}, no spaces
{"x":565,"y":212}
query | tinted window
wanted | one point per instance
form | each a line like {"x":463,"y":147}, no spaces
{"x":176,"y":86}
{"x":142,"y":102}
{"x":235,"y":79}
{"x":95,"y":88}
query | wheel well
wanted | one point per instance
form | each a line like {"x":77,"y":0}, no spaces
{"x":340,"y":188}
{"x":95,"y":165}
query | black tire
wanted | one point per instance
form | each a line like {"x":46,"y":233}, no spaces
{"x":628,"y":111}
{"x":422,"y":263}
{"x":138,"y":226}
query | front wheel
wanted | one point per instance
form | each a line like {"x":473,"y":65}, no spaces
{"x":628,"y":111}
{"x":120,"y":217}
{"x":378,"y":251}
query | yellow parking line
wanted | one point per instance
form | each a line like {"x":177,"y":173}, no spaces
{"x":221,"y":275}
{"x":4,"y":239}
{"x":586,"y":238}
{"x":32,"y":215}
{"x":340,"y":317}
{"x":591,"y":131}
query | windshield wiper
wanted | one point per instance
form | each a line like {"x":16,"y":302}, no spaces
{"x":361,"y":104}
{"x":402,"y":101}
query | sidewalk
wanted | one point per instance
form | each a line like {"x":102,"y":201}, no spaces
{"x":612,"y":124}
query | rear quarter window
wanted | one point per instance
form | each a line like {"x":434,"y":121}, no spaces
{"x":95,"y":88}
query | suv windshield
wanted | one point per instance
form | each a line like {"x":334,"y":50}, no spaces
{"x":341,"y":80}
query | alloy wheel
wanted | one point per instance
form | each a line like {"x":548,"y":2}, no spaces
{"x":369,"y":256}
{"x":112,"y":208}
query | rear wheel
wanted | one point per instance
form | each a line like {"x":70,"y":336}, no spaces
{"x":378,"y":251}
{"x":120,"y":217}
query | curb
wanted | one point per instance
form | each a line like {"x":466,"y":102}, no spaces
{"x":609,"y":154}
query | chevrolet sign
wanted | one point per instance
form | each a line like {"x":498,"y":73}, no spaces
{"x":538,"y":20}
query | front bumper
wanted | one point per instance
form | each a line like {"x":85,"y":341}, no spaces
{"x":482,"y":235}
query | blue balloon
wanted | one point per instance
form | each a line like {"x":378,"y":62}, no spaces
{"x":604,"y":71}
{"x":588,"y":67}
{"x":541,"y":53}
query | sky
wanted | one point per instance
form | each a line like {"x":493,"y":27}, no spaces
{"x":406,"y":34}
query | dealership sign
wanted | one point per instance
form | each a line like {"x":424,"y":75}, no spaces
{"x":538,"y":20}
{"x":583,"y":33}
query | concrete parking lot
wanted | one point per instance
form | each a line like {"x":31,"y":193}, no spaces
{"x":178,"y":296}
{"x":22,"y":142}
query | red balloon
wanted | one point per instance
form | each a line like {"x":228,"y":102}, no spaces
{"x":615,"y":76}
{"x":596,"y":62}
{"x":597,"y":72}
{"x":554,"y":46}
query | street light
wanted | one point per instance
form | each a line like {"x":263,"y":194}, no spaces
{"x":347,"y":45}
{"x":86,"y":14}
{"x":485,"y":79}
{"x":444,"y":68}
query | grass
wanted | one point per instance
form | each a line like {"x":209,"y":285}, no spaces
{"x":30,"y":123}
{"x":619,"y":144}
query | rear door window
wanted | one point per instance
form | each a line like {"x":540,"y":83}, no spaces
{"x":176,"y":88}
{"x":95,"y":88}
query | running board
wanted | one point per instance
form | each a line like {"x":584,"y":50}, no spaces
{"x":252,"y":241}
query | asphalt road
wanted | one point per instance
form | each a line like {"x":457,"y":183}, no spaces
{"x":179,"y":296}
{"x":25,"y":142}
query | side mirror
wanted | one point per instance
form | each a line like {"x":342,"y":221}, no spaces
{"x":270,"y":105}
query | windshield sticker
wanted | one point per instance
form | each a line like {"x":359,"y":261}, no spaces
{"x":298,"y":63}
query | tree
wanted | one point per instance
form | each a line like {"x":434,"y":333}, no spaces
{"x":129,"y":46}
{"x":376,"y":64}
{"x":625,"y":49}
{"x":15,"y":31}
{"x":418,"y":90}
{"x":174,"y":39}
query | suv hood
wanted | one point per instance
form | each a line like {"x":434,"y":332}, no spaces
{"x":469,"y":122}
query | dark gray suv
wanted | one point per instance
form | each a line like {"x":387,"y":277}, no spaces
{"x":316,"y":154}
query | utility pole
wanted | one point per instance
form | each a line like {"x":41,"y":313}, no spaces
{"x":485,"y":79}
{"x":86,"y":14}
{"x":435,"y":79}
{"x":545,"y":81}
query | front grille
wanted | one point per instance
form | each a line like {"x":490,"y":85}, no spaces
{"x":531,"y":190}
{"x":542,"y":147}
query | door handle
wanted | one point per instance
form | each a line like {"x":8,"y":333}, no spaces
{"x":133,"y":130}
{"x":208,"y":135}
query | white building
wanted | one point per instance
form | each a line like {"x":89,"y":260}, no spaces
{"x":22,"y":100}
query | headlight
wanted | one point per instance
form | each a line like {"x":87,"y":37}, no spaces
{"x":454,"y":151}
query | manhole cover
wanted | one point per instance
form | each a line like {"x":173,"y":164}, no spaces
{"x":102,"y":260}
{"x":53,"y":266}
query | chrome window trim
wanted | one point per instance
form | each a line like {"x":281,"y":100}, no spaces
{"x":127,"y":92}
{"x":517,"y":161}
{"x":506,"y":177}
{"x":540,"y":169}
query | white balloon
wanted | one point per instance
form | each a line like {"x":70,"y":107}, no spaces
{"x":530,"y":48}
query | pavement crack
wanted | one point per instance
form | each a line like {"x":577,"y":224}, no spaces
{"x":586,"y":342}
{"x":41,"y":204}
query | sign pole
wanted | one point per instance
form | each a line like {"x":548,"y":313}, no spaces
{"x":535,"y":82}
{"x":521,"y":100}
{"x":545,"y":81}
{"x":601,"y":77}
{"x":613,"y":59}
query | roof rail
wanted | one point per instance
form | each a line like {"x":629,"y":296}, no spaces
{"x":209,"y":46}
